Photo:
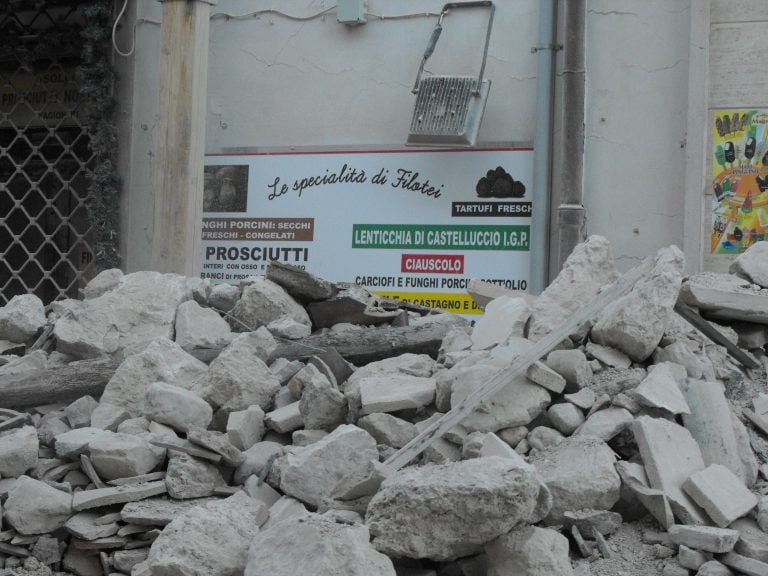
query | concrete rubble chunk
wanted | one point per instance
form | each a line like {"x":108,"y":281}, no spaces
{"x":83,"y":525}
{"x":504,"y":317}
{"x":396,"y":392}
{"x":208,"y":540}
{"x":103,"y":282}
{"x":636,"y":322}
{"x":605,"y":424}
{"x":476,"y":501}
{"x":263,"y":301}
{"x":21,"y":318}
{"x":285,"y":419}
{"x":18,"y":451}
{"x":299,"y":283}
{"x":159,"y":511}
{"x":565,"y":417}
{"x":216,"y":442}
{"x":223,"y":297}
{"x":714,"y":568}
{"x":288,"y":328}
{"x":720,"y":493}
{"x":655,"y":501}
{"x":187,"y":477}
{"x":571,"y":365}
{"x":307,"y":373}
{"x":108,"y":416}
{"x":307,"y":437}
{"x":245,"y":427}
{"x":608,"y":356}
{"x":531,"y":551}
{"x":79,"y":412}
{"x":670,"y":455}
{"x":587,"y":269}
{"x":726,"y":297}
{"x":388,"y":429}
{"x":542,"y":437}
{"x":257,"y":458}
{"x":139,"y":309}
{"x":199,"y":328}
{"x":125,"y":560}
{"x":711,"y":425}
{"x":744,"y":565}
{"x":290,"y":547}
{"x":310,"y":473}
{"x":178,"y":408}
{"x":660,"y":389}
{"x":70,"y":445}
{"x":541,"y":374}
{"x":239,"y":378}
{"x":580,"y":473}
{"x":753,"y":542}
{"x":689,"y":558}
{"x":34,"y":507}
{"x":588,"y":520}
{"x":486,"y":445}
{"x":706,"y":538}
{"x":161,"y":361}
{"x":322,"y":406}
{"x":752,"y":264}
{"x":88,"y":499}
{"x":123,"y":455}
{"x":517,"y":404}
{"x":584,"y":398}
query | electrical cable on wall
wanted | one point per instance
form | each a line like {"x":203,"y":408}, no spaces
{"x":114,"y":30}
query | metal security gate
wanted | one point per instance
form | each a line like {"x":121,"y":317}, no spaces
{"x":44,"y":152}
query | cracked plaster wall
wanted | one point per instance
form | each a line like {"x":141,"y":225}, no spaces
{"x":635,"y":124}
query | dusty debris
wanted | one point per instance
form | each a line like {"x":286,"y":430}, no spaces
{"x":176,"y":434}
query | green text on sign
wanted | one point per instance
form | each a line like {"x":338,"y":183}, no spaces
{"x":440,"y":237}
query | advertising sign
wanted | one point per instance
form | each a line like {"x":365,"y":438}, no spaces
{"x":739,"y":179}
{"x":415,"y":225}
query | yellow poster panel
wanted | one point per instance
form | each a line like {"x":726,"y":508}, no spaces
{"x":456,"y":302}
{"x":739,"y":179}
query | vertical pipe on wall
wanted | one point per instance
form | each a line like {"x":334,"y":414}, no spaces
{"x":542,"y":157}
{"x":570,"y":212}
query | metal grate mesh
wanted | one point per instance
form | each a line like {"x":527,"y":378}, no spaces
{"x":44,"y":154}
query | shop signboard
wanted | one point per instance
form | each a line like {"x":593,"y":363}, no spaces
{"x":414,"y":225}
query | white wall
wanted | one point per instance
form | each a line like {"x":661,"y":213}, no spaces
{"x":636,"y":119}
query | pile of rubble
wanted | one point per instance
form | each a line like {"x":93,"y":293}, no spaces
{"x":161,"y":426}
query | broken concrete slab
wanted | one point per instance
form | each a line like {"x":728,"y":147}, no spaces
{"x":636,"y":322}
{"x":608,"y":356}
{"x":580,"y":473}
{"x":310,"y":473}
{"x":388,"y":429}
{"x":140,"y":308}
{"x":161,"y":361}
{"x":744,"y":565}
{"x":476,"y":501}
{"x":124,"y":455}
{"x":711,"y":425}
{"x":239,"y":378}
{"x":246,"y":427}
{"x":587,"y":269}
{"x":178,"y":408}
{"x":199,"y":328}
{"x":79,"y":412}
{"x":726,"y":297}
{"x":263,"y":301}
{"x":588,"y":521}
{"x":565,"y":417}
{"x":531,"y":551}
{"x":71,"y":444}
{"x":753,"y":542}
{"x":21,"y":318}
{"x":210,"y":540}
{"x":670,"y":455}
{"x":257,"y":458}
{"x":659,"y":389}
{"x":34,"y":507}
{"x":159,"y":511}
{"x":541,"y":374}
{"x":285,"y":419}
{"x":322,"y":406}
{"x":223,"y":297}
{"x":83,"y":525}
{"x":290,"y":547}
{"x":504,"y":317}
{"x":88,"y":499}
{"x":299,"y":283}
{"x":571,"y":365}
{"x":396,"y":392}
{"x":18,"y":451}
{"x":752,"y":264}
{"x":635,"y":480}
{"x":606,"y":423}
{"x":706,"y":538}
{"x":720,"y":493}
{"x":187,"y":477}
{"x":584,"y":398}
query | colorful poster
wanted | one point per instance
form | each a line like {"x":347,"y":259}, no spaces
{"x":414,"y":225}
{"x":739,"y":179}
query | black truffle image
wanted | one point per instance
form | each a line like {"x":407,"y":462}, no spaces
{"x":499,"y":183}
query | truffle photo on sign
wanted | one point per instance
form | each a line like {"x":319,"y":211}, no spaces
{"x":225,"y":188}
{"x":499,"y":183}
